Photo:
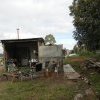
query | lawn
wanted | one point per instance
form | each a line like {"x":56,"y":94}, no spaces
{"x":38,"y":89}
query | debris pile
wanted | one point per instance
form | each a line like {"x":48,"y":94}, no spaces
{"x":91,"y":64}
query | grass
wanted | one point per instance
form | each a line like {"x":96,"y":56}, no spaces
{"x":39,"y":89}
{"x":95,"y":80}
{"x":75,"y":62}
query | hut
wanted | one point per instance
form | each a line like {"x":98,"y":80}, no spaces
{"x":21,"y":50}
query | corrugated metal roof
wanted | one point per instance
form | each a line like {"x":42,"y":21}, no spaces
{"x":22,"y":40}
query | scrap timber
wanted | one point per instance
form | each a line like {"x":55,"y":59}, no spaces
{"x":90,"y":64}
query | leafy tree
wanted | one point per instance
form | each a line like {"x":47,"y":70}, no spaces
{"x":50,"y":39}
{"x":86,"y":14}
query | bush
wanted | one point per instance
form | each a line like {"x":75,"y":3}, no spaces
{"x":97,"y":57}
{"x":86,"y":53}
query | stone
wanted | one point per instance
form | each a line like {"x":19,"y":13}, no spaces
{"x":79,"y":97}
{"x":90,"y":95}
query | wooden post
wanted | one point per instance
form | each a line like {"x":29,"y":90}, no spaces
{"x":18,"y":32}
{"x":4,"y":56}
{"x":38,"y":50}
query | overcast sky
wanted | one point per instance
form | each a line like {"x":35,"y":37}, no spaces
{"x":37,"y":18}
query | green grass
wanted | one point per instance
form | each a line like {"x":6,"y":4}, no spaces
{"x":47,"y":89}
{"x":95,"y":80}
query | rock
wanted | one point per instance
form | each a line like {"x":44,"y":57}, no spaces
{"x":86,"y":80}
{"x":90,"y":95}
{"x":98,"y":95}
{"x":78,"y":97}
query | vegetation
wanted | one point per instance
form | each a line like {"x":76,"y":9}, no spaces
{"x":49,"y":39}
{"x":86,"y":15}
{"x":38,"y":89}
{"x":86,"y":53}
{"x":94,"y":78}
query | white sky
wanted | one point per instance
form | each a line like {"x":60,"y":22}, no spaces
{"x":36,"y":18}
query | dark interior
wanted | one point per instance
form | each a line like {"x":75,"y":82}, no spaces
{"x":20,"y":52}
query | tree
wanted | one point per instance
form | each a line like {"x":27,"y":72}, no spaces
{"x":86,"y":14}
{"x":49,"y":39}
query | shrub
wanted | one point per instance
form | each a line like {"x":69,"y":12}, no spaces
{"x":86,"y":53}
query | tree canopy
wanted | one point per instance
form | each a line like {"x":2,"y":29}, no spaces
{"x":50,"y":39}
{"x":86,"y":14}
